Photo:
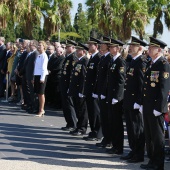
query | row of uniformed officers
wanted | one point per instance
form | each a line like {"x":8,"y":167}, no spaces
{"x":103,"y":88}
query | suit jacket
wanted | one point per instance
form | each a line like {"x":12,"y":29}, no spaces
{"x":5,"y":64}
{"x":91,"y":74}
{"x":156,"y":87}
{"x":134,"y":82}
{"x":101,"y":80}
{"x":77,"y":77}
{"x":55,"y":66}
{"x":21,"y":62}
{"x":116,"y":79}
{"x":66,"y":72}
{"x":2,"y":55}
{"x":29,"y":65}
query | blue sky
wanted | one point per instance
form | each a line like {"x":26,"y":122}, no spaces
{"x":149,"y":29}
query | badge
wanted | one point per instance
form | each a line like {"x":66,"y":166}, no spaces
{"x":144,"y":70}
{"x":166,"y":75}
{"x":153,"y":84}
{"x":78,"y":67}
{"x":91,"y":66}
{"x":113,"y":67}
{"x":122,"y":69}
{"x":154,"y":76}
{"x":64,"y":72}
{"x":76,"y":74}
{"x":131,"y":71}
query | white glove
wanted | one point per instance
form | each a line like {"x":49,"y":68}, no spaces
{"x":156,"y":113}
{"x":95,"y":96}
{"x":114,"y":101}
{"x":102,"y":96}
{"x":141,"y":109}
{"x":68,"y":91}
{"x":81,"y":95}
{"x":136,"y":106}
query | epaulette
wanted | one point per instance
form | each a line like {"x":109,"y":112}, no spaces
{"x":164,"y":61}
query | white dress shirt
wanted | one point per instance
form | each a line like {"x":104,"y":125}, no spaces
{"x":40,"y":68}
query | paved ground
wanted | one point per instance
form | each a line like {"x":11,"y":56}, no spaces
{"x":31,"y":143}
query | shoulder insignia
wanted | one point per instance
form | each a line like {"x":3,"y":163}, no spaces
{"x":122,"y":69}
{"x":166,"y":75}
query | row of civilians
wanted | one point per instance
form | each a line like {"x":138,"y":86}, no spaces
{"x":100,"y":88}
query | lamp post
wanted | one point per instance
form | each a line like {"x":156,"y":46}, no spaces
{"x":59,"y":25}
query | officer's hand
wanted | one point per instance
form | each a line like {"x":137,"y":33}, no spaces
{"x":102,"y":96}
{"x":141,"y":109}
{"x":95,"y":96}
{"x":68,"y":91}
{"x":136,"y":106}
{"x":114,"y":101}
{"x":156,"y":113}
{"x":81,"y":95}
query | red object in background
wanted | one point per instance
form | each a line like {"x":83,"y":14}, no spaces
{"x":166,"y":117}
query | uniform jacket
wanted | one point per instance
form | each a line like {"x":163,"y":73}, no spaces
{"x":156,"y":86}
{"x":91,"y":74}
{"x":66,"y":72}
{"x":21,"y":62}
{"x":55,"y":66}
{"x":134,"y":82}
{"x":116,"y":79}
{"x":77,"y":77}
{"x":101,"y":79}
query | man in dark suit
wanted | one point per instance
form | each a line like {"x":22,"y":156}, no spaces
{"x":67,"y":103}
{"x":2,"y":58}
{"x":76,"y":90}
{"x":99,"y":90}
{"x":132,"y":102}
{"x":92,"y":103}
{"x":54,"y":67}
{"x":154,"y":105}
{"x":114,"y":96}
{"x":29,"y":75}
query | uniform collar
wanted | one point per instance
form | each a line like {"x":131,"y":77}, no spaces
{"x":116,"y":56}
{"x":134,"y":58}
{"x":94,"y":54}
{"x":154,"y":61}
{"x":80,"y":58}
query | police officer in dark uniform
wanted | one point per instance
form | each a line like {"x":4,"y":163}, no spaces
{"x":99,"y":90}
{"x":132,"y":102}
{"x":114,"y":95}
{"x":76,"y":90}
{"x":67,"y":103}
{"x":155,"y":94}
{"x":92,"y":103}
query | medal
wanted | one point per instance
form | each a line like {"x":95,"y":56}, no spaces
{"x":64,"y":72}
{"x":76,"y":74}
{"x":153,"y":84}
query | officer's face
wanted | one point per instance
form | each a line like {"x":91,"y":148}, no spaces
{"x":153,"y":51}
{"x":114,"y":50}
{"x":69,"y":49}
{"x":92,"y":48}
{"x":103,"y":47}
{"x":134,"y":49}
{"x":79,"y":52}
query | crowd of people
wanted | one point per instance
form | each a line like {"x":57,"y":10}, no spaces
{"x":101,"y":82}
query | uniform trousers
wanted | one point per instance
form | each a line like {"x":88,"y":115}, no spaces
{"x":68,"y":110}
{"x":32,"y":94}
{"x":2,"y":85}
{"x":116,"y":125}
{"x":25,"y":90}
{"x":105,"y":121}
{"x":81,"y":113}
{"x":94,"y":116}
{"x":135,"y":131}
{"x":154,"y":136}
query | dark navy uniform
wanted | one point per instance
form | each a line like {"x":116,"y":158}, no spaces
{"x":67,"y":103}
{"x":76,"y":87}
{"x":155,"y":96}
{"x":100,"y":89}
{"x":115,"y":93}
{"x":92,"y":103}
{"x":132,"y":97}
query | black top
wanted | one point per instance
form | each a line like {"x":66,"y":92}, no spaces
{"x":77,"y":77}
{"x":91,"y":74}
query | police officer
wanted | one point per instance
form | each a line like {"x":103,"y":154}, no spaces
{"x":155,"y":94}
{"x":99,"y":90}
{"x":92,"y":103}
{"x":67,"y":103}
{"x":114,"y":95}
{"x":76,"y":90}
{"x":132,"y":102}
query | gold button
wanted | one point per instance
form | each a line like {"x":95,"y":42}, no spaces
{"x":144,"y":94}
{"x":92,"y":84}
{"x":144,"y":88}
{"x":155,"y":100}
{"x":145,"y":82}
{"x":133,"y":94}
{"x":124,"y":89}
{"x":77,"y":85}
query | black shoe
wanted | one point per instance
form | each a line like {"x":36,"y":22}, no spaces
{"x":103,"y":145}
{"x":67,"y":128}
{"x":114,"y":151}
{"x":135,"y":160}
{"x":148,"y":165}
{"x":127,"y":157}
{"x":90,"y":138}
{"x":78,"y":133}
